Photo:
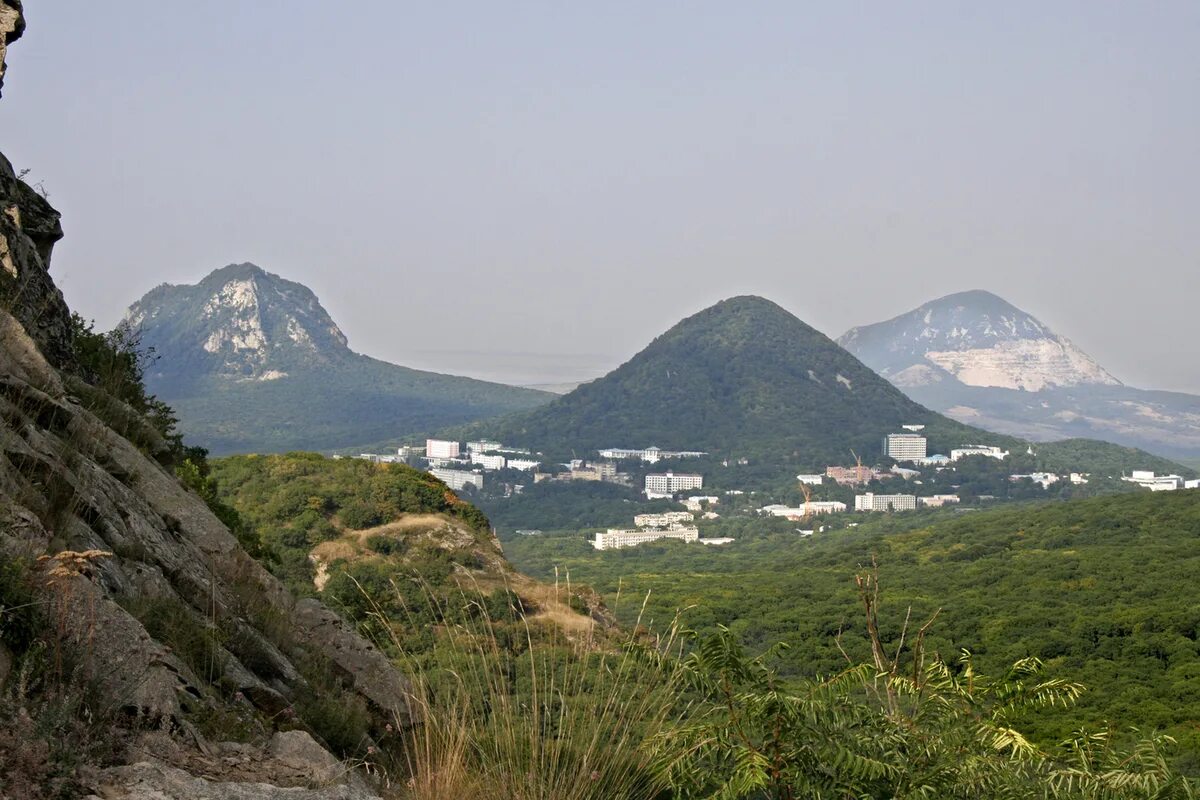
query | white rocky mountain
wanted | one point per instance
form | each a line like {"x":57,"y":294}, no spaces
{"x":253,"y":362}
{"x":981,"y":360}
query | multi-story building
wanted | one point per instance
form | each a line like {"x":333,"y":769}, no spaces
{"x":978,"y":450}
{"x":811,"y":480}
{"x":614,"y":538}
{"x":483,"y":446}
{"x":935,"y":460}
{"x":852,"y":476}
{"x":486,"y":461}
{"x":904,"y":446}
{"x":811,"y":508}
{"x":596,"y":471}
{"x":668,"y":484}
{"x":937,"y":500}
{"x":664,"y":520}
{"x":524,"y":464}
{"x":457,"y":479}
{"x":885,"y":502}
{"x":1155,"y":483}
{"x":439,"y":448}
{"x":1195,"y":484}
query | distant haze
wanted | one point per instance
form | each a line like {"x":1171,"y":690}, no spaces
{"x":502,"y":179}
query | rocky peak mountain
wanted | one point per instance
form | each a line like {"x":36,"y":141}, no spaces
{"x":240,"y":322}
{"x":978,"y":339}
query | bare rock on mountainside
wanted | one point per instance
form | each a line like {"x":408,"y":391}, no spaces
{"x":981,"y":360}
{"x":157,"y":613}
{"x":253,"y":362}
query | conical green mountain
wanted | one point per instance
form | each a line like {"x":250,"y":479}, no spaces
{"x":253,"y":363}
{"x":743,"y":377}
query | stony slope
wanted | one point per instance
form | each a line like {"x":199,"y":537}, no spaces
{"x":253,"y":363}
{"x":983,"y":361}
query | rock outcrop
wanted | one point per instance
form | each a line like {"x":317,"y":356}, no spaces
{"x":116,"y":545}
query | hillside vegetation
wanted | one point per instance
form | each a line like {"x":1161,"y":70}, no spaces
{"x":1102,"y":589}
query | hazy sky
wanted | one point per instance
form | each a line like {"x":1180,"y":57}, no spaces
{"x":548,"y":179}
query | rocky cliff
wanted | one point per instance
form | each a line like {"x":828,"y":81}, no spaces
{"x":108,"y":564}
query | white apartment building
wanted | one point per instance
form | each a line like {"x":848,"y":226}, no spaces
{"x":668,"y":484}
{"x":1155,"y":483}
{"x":486,"y":461}
{"x":614,"y":538}
{"x":937,"y":500}
{"x":524,"y":464}
{"x":811,"y":480}
{"x":978,"y":450}
{"x":811,"y":508}
{"x":1192,"y":484}
{"x":904,"y":446}
{"x":457,"y":479}
{"x":483,"y":446}
{"x":664,"y":520}
{"x":439,"y":448}
{"x":885,"y":502}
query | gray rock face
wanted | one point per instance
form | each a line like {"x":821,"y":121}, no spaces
{"x":149,"y":781}
{"x":12,"y":25}
{"x":109,"y":531}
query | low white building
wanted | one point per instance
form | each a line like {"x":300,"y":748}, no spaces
{"x":811,"y":480}
{"x":937,"y":500}
{"x":457,"y":479}
{"x":935,"y":460}
{"x":1079,"y":478}
{"x":978,"y":450}
{"x":717,"y":540}
{"x":668,"y":484}
{"x":811,"y":508}
{"x":483,"y":446}
{"x":524,"y":464}
{"x":651,"y":455}
{"x":1192,"y":484}
{"x":885,"y":502}
{"x":440,"y":448}
{"x":614,"y":538}
{"x":1155,"y":483}
{"x":486,"y":461}
{"x":664,"y":520}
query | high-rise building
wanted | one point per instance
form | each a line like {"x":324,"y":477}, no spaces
{"x":904,"y":446}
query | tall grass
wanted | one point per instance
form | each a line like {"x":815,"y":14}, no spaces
{"x":525,"y":708}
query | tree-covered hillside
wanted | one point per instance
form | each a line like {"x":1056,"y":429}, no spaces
{"x":1103,"y":590}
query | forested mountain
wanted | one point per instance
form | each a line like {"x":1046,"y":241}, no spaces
{"x":981,"y":360}
{"x":253,"y":362}
{"x":747,"y":378}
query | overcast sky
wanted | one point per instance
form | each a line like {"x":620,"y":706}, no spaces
{"x":558,"y":185}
